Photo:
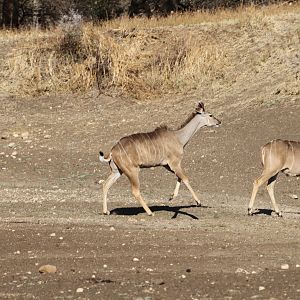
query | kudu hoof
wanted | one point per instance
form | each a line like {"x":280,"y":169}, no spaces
{"x":106,"y":213}
{"x":198,"y":204}
{"x":250,"y":212}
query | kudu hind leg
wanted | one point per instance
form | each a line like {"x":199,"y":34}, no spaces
{"x":270,"y":188}
{"x":106,"y":186}
{"x":256,"y":185}
{"x":135,"y":187}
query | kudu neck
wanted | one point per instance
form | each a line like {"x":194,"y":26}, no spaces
{"x":185,"y":133}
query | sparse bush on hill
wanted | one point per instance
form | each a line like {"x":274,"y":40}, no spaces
{"x":71,"y":27}
{"x":140,"y":57}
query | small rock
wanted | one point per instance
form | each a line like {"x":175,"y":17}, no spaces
{"x":293,"y":196}
{"x":261,"y":288}
{"x":25,"y":135}
{"x":53,"y":234}
{"x":4,"y":136}
{"x":149,"y":270}
{"x":47,"y":269}
{"x":79,"y":290}
{"x":112,"y":228}
{"x":240,"y":270}
{"x":47,"y":136}
{"x":15,"y":135}
{"x":277,"y":92}
{"x":158,"y":281}
{"x":183,"y":276}
{"x":285,"y":267}
{"x":297,"y":266}
{"x":135,"y":259}
{"x":11,"y":145}
{"x":14,"y":153}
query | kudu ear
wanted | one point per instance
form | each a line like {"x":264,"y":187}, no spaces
{"x":200,"y":107}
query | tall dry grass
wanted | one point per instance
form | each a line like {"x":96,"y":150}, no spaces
{"x":141,"y":58}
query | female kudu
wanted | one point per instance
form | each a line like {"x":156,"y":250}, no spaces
{"x":277,"y":155}
{"x":161,"y":147}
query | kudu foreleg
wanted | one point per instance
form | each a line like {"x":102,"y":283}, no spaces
{"x":176,"y":191}
{"x":180,"y":174}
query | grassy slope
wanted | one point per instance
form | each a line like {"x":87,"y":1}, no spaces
{"x":240,"y":57}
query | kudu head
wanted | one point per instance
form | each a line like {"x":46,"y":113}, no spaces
{"x":208,"y":119}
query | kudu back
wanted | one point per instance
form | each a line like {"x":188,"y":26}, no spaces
{"x":161,"y":147}
{"x":277,"y":156}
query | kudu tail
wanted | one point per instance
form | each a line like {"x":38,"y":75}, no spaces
{"x":263,"y":152}
{"x":102,"y":158}
{"x":266,"y":153}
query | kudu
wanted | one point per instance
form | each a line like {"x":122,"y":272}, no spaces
{"x":161,"y":147}
{"x":276,"y":156}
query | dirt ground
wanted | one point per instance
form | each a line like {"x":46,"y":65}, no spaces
{"x":51,"y":199}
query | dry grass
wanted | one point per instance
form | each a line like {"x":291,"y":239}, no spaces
{"x":141,"y":58}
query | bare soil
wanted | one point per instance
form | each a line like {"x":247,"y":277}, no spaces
{"x":51,"y":199}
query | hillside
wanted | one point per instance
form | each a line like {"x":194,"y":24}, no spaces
{"x":253,"y":51}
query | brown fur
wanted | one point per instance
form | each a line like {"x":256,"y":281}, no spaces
{"x":135,"y":149}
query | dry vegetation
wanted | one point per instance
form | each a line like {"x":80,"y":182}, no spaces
{"x":144,"y":58}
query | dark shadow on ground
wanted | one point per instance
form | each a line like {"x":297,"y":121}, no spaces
{"x":263,"y":211}
{"x":130,"y":211}
{"x":269,"y":212}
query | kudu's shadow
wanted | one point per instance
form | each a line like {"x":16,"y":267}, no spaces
{"x":268,"y":212}
{"x":130,"y":211}
{"x":263,"y":211}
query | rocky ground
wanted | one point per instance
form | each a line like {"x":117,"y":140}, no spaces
{"x":51,"y":199}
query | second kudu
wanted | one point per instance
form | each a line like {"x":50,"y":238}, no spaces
{"x":161,"y":147}
{"x":276,"y":156}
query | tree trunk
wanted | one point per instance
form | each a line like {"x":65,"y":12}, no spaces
{"x":36,"y":5}
{"x":15,"y":14}
{"x":6,"y":14}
